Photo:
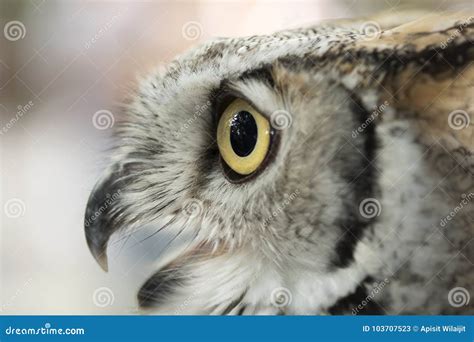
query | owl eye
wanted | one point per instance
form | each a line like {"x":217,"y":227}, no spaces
{"x":243,"y":137}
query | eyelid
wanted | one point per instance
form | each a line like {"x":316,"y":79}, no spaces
{"x":225,"y":96}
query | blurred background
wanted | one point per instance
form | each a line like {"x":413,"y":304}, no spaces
{"x":65,"y":66}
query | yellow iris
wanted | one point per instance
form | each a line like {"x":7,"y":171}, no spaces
{"x":243,"y":165}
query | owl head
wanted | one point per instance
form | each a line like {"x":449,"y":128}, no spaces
{"x":263,"y":148}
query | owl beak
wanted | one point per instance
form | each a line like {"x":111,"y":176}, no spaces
{"x":99,"y":224}
{"x":96,"y":236}
{"x":98,"y":247}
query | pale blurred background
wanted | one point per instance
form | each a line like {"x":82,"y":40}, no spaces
{"x":60,"y":63}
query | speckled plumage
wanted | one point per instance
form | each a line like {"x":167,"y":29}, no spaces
{"x":292,"y":240}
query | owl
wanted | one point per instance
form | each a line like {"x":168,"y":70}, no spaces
{"x":319,"y":170}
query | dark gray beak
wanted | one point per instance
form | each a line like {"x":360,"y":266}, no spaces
{"x":100,"y":220}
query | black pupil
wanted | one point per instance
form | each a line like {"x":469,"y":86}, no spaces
{"x":243,"y":133}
